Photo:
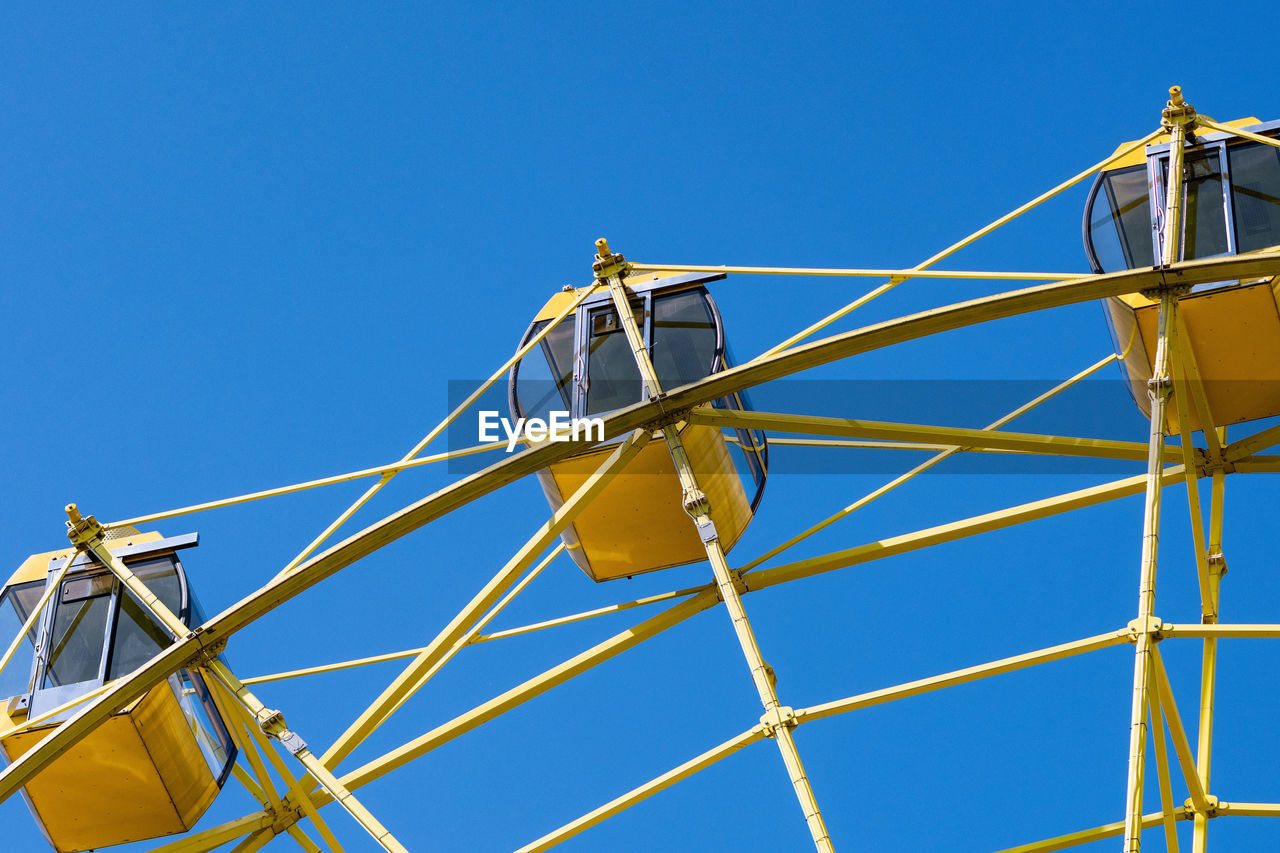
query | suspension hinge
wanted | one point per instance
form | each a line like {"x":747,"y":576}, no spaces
{"x":609,"y":263}
{"x":272,"y":724}
{"x":781,"y":716}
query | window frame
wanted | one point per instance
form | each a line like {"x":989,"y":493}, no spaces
{"x":40,"y":698}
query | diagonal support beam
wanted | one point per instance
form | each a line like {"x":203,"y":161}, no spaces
{"x":1086,"y":836}
{"x":930,"y":536}
{"x":984,"y":439}
{"x":643,"y":792}
{"x":1181,"y":746}
{"x":452,"y":635}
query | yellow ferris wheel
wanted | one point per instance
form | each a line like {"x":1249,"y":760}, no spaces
{"x":123,"y":720}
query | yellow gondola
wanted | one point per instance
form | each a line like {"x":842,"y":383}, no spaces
{"x":584,"y":368}
{"x":153,"y":768}
{"x":1231,"y":198}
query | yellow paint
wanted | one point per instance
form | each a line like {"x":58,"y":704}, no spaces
{"x":1138,"y":156}
{"x":638,"y":523}
{"x":36,"y":567}
{"x":1235,"y":335}
{"x":139,"y":775}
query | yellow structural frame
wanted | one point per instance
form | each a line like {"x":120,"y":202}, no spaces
{"x":285,"y":799}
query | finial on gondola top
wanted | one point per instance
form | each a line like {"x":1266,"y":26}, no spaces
{"x":1177,"y":110}
{"x":608,"y":263}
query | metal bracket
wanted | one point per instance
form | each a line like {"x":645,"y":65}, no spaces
{"x":707,"y":530}
{"x":609,"y":263}
{"x":1177,"y":111}
{"x":781,"y":716}
{"x":208,"y":652}
{"x":1154,"y":627}
{"x":1154,"y":293}
{"x":273,"y":725}
{"x":1211,"y":801}
{"x":84,"y":533}
{"x":1217,"y":562}
{"x":696,"y":504}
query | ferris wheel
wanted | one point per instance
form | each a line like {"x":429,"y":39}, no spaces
{"x":124,"y":719}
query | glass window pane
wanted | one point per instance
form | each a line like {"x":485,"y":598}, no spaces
{"x":1255,"y":195}
{"x":684,"y":337}
{"x":1204,"y":232}
{"x":79,"y":632}
{"x":15,"y":606}
{"x":203,"y":719}
{"x":544,"y":377}
{"x":1120,"y":223}
{"x":138,"y":635}
{"x":613,"y":380}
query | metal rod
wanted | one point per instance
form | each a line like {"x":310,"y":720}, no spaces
{"x":1162,"y":773}
{"x":1181,"y":385}
{"x":1209,"y":655}
{"x":955,"y":247}
{"x":1181,"y":746}
{"x":215,"y":837}
{"x":1205,"y":121}
{"x":922,"y":467}
{"x":893,"y":545}
{"x":643,"y":792}
{"x":778,"y":721}
{"x":587,"y":614}
{"x":859,"y":273}
{"x":415,"y":673}
{"x":439,"y":428}
{"x":1053,"y":445}
{"x":393,"y":468}
{"x":1159,"y":392}
{"x":962,"y":676}
{"x":1085,"y":836}
{"x":1158,"y":389}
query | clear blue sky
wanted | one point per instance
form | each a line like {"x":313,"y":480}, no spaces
{"x":246,"y":247}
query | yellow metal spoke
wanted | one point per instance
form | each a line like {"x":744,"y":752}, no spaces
{"x":955,"y":247}
{"x":393,"y":468}
{"x":1162,"y":772}
{"x":637,"y":795}
{"x":893,"y":545}
{"x":522,"y":693}
{"x":1085,"y":836}
{"x":211,"y":839}
{"x":588,"y":614}
{"x":256,"y":841}
{"x":957,"y":437}
{"x":962,"y":676}
{"x":242,"y":717}
{"x":1205,"y":121}
{"x":408,"y":653}
{"x":1246,"y":447}
{"x":915,"y":272}
{"x":946,"y":453}
{"x":1181,"y":384}
{"x":414,"y":674}
{"x":1181,"y":747}
{"x":439,"y":428}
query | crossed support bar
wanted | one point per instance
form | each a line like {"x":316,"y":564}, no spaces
{"x":778,"y":720}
